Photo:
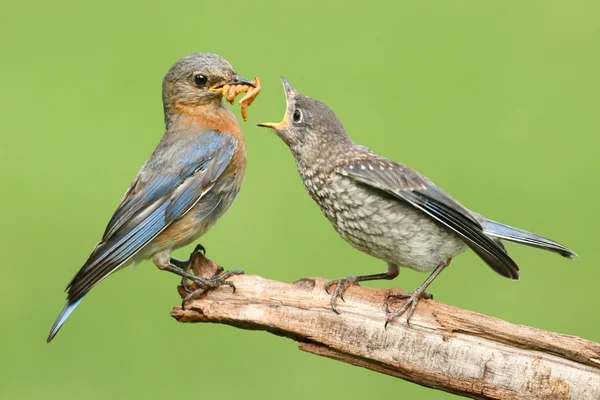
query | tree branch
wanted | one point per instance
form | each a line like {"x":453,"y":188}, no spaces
{"x":445,"y":348}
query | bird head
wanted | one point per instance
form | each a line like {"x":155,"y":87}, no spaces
{"x":195,"y":80}
{"x":309,"y":127}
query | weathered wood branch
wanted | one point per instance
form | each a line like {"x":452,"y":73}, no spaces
{"x":445,"y":347}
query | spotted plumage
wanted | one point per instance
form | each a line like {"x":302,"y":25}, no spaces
{"x":386,"y":209}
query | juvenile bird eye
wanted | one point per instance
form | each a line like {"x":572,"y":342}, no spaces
{"x":200,"y":80}
{"x":297,"y":116}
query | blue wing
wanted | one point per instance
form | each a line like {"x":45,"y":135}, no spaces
{"x":173,"y":180}
{"x":181,"y":170}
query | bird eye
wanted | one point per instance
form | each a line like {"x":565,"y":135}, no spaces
{"x":297,"y":116}
{"x":200,"y":80}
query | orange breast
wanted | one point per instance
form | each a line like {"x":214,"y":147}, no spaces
{"x":223,"y":120}
{"x":187,"y":228}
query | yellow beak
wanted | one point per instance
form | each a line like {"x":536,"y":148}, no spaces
{"x":272,"y":125}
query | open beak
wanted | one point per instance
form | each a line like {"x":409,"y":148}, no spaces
{"x":272,"y":125}
{"x":289,"y":91}
{"x":237,"y":80}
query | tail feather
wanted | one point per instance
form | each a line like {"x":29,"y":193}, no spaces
{"x":505,"y":232}
{"x":62,"y":317}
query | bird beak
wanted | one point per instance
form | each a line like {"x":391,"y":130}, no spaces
{"x":237,"y":80}
{"x":272,"y":125}
{"x":289,"y":91}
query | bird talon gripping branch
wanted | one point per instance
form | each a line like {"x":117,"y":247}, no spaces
{"x":230,"y":92}
{"x":203,"y":285}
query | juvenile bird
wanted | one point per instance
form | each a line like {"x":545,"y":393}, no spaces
{"x":189,"y":181}
{"x":386,"y":209}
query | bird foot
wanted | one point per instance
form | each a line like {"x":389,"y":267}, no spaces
{"x":409,"y":305}
{"x":187,"y":265}
{"x":206,"y":284}
{"x":340,"y":287}
{"x":198,"y":248}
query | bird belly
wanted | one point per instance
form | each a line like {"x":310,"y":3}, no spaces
{"x":388,"y":228}
{"x":196,"y":222}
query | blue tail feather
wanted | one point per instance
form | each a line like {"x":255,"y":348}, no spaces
{"x":62,"y":317}
{"x":512,"y":234}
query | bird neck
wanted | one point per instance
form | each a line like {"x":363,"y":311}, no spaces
{"x":208,"y":116}
{"x":323,"y":157}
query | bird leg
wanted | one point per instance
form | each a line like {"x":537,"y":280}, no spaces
{"x":231,"y":91}
{"x":343,"y":283}
{"x":186,"y":265}
{"x":219,"y":277}
{"x":411,"y":299}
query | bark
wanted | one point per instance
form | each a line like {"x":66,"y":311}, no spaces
{"x":444,"y":347}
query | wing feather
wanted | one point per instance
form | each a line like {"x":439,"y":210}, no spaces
{"x":156,"y":198}
{"x":412,"y":187}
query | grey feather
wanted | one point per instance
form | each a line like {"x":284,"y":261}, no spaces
{"x":516,"y":235}
{"x":410,"y":186}
{"x":386,"y":209}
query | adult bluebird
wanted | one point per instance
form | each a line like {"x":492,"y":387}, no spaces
{"x":189,"y":181}
{"x":386,"y":209}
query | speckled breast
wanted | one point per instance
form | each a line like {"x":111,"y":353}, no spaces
{"x":381,"y":225}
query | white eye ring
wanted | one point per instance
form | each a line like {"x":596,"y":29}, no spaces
{"x":297,"y":116}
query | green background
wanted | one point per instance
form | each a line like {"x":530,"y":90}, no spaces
{"x":497,"y":102}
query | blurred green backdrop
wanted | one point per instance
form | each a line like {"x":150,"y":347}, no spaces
{"x":497,"y":102}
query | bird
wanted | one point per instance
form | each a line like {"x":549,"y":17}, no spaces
{"x":187,"y":183}
{"x":386,"y":209}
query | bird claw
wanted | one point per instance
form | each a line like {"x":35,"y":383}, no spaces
{"x":188,"y":264}
{"x":220,"y":278}
{"x":230,"y":92}
{"x":410,"y":304}
{"x":199,"y":248}
{"x":340,"y":287}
